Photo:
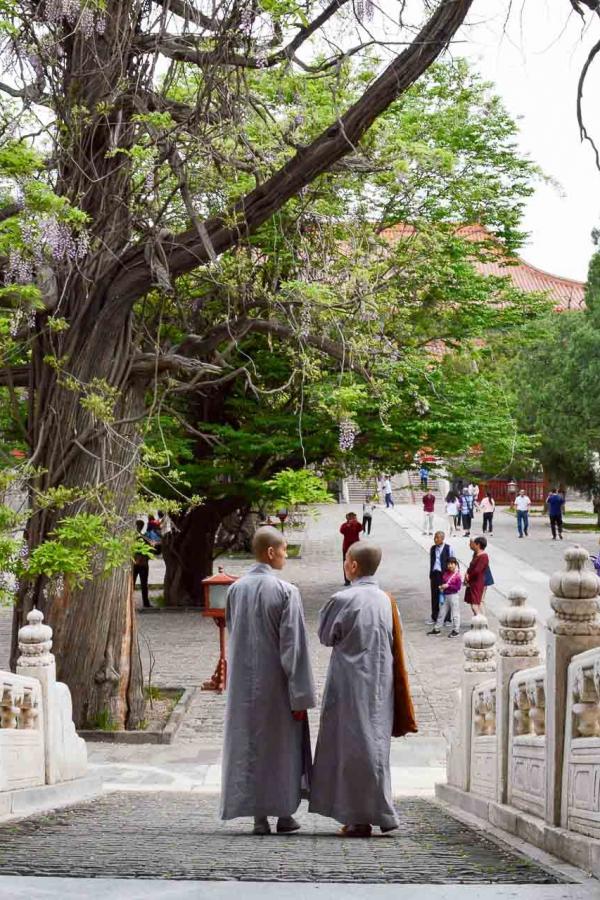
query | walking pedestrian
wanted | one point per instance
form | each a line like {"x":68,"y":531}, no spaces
{"x":141,"y":565}
{"x":428,"y":507}
{"x":439,"y":554}
{"x":387,"y":491}
{"x":351,"y":529}
{"x":522,"y":503}
{"x":452,"y":512}
{"x":466,"y":511}
{"x":555,"y":503}
{"x":475,"y":576}
{"x":266,"y":750}
{"x":424,"y":476}
{"x":351,"y":779}
{"x":449,"y":599}
{"x":488,"y":507}
{"x":367,"y":518}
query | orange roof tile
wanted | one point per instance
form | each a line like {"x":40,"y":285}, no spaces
{"x":566,"y":292}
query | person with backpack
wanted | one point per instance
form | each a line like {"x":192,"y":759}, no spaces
{"x":466,"y":511}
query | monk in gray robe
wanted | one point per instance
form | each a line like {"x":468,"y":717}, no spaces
{"x":351,"y":775}
{"x":266,"y":753}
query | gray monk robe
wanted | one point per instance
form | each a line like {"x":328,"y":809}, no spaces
{"x":351,"y":773}
{"x":265,"y":752}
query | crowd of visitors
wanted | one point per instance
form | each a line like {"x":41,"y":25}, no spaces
{"x":267,"y":759}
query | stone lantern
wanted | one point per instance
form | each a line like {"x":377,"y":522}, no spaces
{"x":215,"y":589}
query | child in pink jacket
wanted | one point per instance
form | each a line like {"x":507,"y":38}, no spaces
{"x":449,"y":591}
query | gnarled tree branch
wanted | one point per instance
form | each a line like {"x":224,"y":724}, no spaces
{"x":187,"y":251}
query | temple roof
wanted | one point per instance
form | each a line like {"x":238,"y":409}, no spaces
{"x":566,"y":292}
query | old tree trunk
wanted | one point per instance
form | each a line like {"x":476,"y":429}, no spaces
{"x":95,"y":639}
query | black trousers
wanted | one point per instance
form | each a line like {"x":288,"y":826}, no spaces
{"x":142,"y":571}
{"x":466,"y":522}
{"x":366,"y":523}
{"x":487,"y":522}
{"x":556,"y":522}
{"x":435,"y":579}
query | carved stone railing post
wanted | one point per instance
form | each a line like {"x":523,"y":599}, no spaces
{"x":517,"y":649}
{"x":575,"y":627}
{"x":479,"y":659}
{"x":65,"y":752}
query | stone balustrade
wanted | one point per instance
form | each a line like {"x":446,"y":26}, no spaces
{"x":38,"y":742}
{"x":483,"y":740}
{"x":581,"y":786}
{"x":525,"y":753}
{"x":22,"y":760}
{"x":527,"y":741}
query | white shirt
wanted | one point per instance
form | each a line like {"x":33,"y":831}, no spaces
{"x":522,"y":503}
{"x":437,"y":565}
{"x":387,"y":486}
{"x":452,"y":508}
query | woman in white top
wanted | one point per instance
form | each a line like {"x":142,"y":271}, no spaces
{"x":487,"y":507}
{"x":452,"y":508}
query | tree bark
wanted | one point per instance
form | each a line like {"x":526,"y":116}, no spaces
{"x":95,"y":634}
{"x":190,"y":549}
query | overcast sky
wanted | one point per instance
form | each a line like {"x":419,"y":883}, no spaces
{"x":535,"y":60}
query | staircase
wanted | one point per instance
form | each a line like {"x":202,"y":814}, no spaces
{"x":358,"y":490}
{"x":437,"y":486}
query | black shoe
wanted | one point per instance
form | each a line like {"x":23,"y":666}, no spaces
{"x":261,"y":826}
{"x":434,"y":631}
{"x":560,"y":536}
{"x":454,"y":633}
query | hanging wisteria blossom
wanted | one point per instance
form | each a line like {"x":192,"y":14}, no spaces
{"x":85,"y":17}
{"x":348,"y":433}
{"x":19,"y":269}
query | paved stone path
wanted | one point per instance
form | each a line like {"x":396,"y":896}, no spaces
{"x":134,"y":835}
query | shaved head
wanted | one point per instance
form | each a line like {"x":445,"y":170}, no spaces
{"x":264,"y":537}
{"x":367,"y":557}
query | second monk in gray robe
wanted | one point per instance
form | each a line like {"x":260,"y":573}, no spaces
{"x":264,"y":753}
{"x":351,"y":779}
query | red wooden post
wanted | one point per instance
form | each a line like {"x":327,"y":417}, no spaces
{"x":215,"y":593}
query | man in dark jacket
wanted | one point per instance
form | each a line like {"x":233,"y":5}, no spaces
{"x":439,"y":554}
{"x":555,"y":503}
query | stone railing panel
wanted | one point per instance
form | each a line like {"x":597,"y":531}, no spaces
{"x":22,"y":760}
{"x":581,"y":776}
{"x":483,"y":740}
{"x":527,"y":741}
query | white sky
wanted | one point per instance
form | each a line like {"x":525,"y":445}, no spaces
{"x":535,"y":63}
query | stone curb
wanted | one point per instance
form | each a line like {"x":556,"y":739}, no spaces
{"x":24,"y":802}
{"x":576,"y":849}
{"x":165,"y":735}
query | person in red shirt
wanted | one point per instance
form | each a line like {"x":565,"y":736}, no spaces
{"x":351,"y":529}
{"x":428,"y":507}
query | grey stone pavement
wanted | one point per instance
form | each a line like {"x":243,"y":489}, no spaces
{"x":179,"y":836}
